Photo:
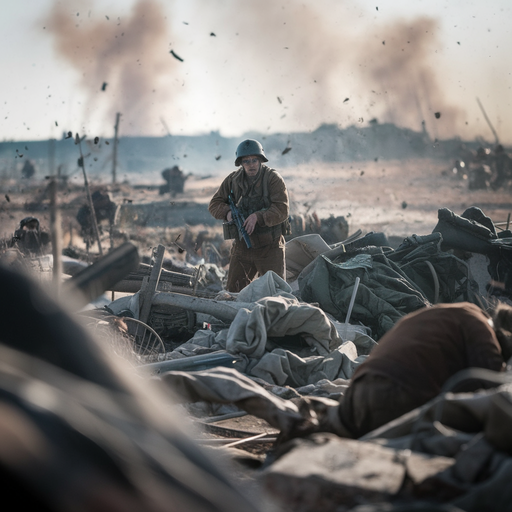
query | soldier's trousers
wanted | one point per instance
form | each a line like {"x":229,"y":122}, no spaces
{"x":245,"y":263}
{"x":374,"y":400}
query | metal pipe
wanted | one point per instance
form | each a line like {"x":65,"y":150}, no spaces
{"x":223,"y":310}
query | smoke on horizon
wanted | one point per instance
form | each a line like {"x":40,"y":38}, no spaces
{"x":123,"y":62}
{"x":317,"y":59}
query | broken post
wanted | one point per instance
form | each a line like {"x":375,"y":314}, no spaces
{"x":146,"y":295}
{"x":114,"y":156}
{"x":56,"y":235}
{"x":102,"y":275}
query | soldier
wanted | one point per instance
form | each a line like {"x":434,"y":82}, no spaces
{"x":28,"y":169}
{"x":259,"y":192}
{"x":29,"y":239}
{"x":418,"y":355}
{"x":501,"y":168}
{"x":175,"y":181}
{"x":480,"y":170}
{"x":104,"y":209}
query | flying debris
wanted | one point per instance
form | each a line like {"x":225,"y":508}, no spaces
{"x":286,"y":150}
{"x":218,"y":157}
{"x":438,"y":115}
{"x":404,"y":205}
{"x":104,"y":86}
{"x":345,"y":100}
{"x":69,"y":135}
{"x":7,"y":198}
{"x":176,"y":56}
{"x":96,"y":140}
{"x":212,"y":34}
{"x":180,"y":249}
{"x":279,"y":99}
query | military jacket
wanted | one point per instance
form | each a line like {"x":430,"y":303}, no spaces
{"x":265,"y":195}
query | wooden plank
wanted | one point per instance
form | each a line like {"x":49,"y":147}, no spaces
{"x":146,"y":295}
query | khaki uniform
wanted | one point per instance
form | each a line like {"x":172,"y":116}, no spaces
{"x":267,"y":197}
{"x":414,"y":359}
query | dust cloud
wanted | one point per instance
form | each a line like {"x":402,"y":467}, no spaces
{"x":401,"y":69}
{"x":123,"y":62}
{"x":330,"y":62}
{"x":275,"y":65}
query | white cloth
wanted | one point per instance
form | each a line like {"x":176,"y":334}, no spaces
{"x":268,"y":285}
{"x":280,"y":316}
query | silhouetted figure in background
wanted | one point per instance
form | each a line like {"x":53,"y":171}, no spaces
{"x":175,"y":179}
{"x":501,"y":168}
{"x":104,"y":208}
{"x":480,"y":170}
{"x":28,"y":170}
{"x":29,"y":239}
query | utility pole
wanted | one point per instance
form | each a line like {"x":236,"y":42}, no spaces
{"x":51,"y":157}
{"x":81,"y":163}
{"x":114,"y":159}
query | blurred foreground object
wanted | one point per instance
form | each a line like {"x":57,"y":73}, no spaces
{"x":76,"y":434}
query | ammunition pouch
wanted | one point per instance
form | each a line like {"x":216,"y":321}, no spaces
{"x":262,"y":235}
{"x":230,"y":231}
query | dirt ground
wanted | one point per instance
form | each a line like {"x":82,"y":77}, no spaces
{"x":399,"y":198}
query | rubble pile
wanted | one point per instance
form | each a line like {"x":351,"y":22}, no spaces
{"x":283,"y":350}
{"x":280,"y":354}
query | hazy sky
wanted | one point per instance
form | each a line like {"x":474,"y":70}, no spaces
{"x":266,"y":65}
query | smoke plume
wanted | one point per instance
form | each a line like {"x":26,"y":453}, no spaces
{"x":259,"y":64}
{"x":123,"y":62}
{"x":329,"y":63}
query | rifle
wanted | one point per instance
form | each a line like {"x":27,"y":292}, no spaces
{"x":193,"y":363}
{"x":239,"y":220}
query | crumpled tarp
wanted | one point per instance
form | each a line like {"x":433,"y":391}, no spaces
{"x":228,"y":386}
{"x":440,"y":275}
{"x":283,"y":367}
{"x":472,"y":428}
{"x":78,"y":432}
{"x":384,"y":296}
{"x":278,"y":316}
{"x":267,"y":285}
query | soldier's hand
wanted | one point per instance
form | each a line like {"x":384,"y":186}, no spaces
{"x":250,"y":223}
{"x":229,"y":217}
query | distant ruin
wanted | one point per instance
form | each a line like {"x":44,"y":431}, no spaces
{"x":211,"y":154}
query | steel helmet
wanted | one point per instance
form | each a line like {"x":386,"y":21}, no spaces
{"x":247,"y":148}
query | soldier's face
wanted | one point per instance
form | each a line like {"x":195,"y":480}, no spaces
{"x":31,"y":226}
{"x":251,"y":165}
